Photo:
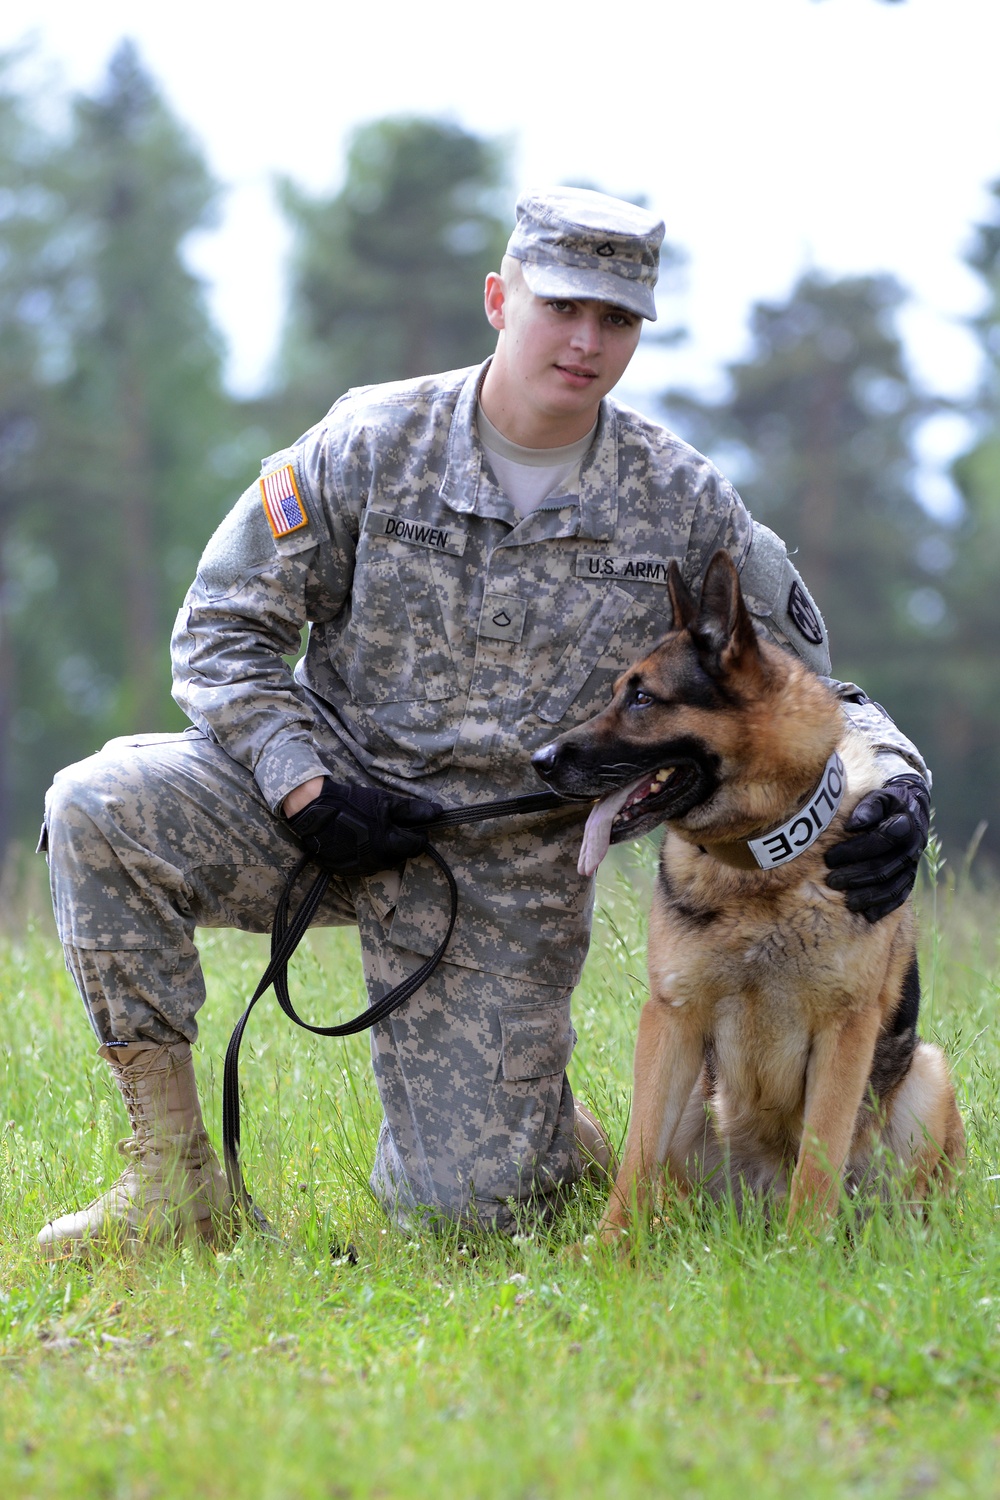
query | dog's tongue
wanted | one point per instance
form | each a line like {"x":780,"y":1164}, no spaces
{"x":597,"y":834}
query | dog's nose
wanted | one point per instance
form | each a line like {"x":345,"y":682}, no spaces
{"x":544,"y":761}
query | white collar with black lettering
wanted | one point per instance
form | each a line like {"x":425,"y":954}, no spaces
{"x":804,"y":827}
{"x":779,"y":846}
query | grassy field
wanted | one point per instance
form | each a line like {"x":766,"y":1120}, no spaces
{"x":727,"y":1361}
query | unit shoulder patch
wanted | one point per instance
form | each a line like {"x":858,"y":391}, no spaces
{"x":801,"y":611}
{"x":282,"y":502}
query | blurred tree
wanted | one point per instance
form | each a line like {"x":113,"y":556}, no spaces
{"x":972,"y":684}
{"x":817,"y":432}
{"x":32,"y":282}
{"x":121,"y":487}
{"x":387,"y":276}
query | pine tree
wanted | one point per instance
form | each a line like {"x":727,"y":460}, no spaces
{"x":35,"y":300}
{"x":123,"y":488}
{"x":817,"y":431}
{"x":972,"y":681}
{"x":387,"y":276}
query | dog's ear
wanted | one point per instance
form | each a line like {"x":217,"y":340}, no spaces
{"x":723,"y":632}
{"x":682,"y":600}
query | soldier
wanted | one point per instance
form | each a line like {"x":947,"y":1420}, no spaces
{"x":477,"y":556}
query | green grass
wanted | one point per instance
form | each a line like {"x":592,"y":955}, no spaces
{"x":726,"y":1361}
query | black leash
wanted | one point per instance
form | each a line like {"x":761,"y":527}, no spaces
{"x":286,"y":934}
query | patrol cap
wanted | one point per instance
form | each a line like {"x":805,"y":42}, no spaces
{"x":572,"y":242}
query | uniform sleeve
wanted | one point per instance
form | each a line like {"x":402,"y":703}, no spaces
{"x":896,"y":755}
{"x":243,"y":617}
{"x":786,"y":613}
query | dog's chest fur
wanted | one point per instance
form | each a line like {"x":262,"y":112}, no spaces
{"x":761,"y":962}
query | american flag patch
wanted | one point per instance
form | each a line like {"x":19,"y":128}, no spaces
{"x":282,"y":506}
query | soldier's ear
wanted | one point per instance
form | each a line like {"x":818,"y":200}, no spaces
{"x":495,"y":301}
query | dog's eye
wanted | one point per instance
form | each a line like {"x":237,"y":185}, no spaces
{"x":641,"y":699}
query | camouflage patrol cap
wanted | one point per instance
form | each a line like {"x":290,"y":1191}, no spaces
{"x":572,"y":242}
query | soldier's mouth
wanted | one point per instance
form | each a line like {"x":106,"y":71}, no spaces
{"x":576,"y":374}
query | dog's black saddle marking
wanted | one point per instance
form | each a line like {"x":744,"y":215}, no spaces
{"x":908,"y":1010}
{"x":897,"y":1043}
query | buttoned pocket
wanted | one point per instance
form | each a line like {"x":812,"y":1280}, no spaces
{"x":395,"y":649}
{"x":522,"y":1148}
{"x":618,"y":630}
{"x":537,"y":1040}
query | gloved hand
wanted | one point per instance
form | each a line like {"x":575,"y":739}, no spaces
{"x":353,"y":830}
{"x":877,"y":867}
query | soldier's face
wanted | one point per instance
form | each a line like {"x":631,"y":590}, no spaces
{"x":561,"y":356}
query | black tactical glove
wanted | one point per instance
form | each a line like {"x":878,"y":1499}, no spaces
{"x":353,"y":830}
{"x":877,"y":867}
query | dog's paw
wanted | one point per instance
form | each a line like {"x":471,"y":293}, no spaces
{"x":617,"y":1237}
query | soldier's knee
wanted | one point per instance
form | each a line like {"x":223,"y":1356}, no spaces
{"x":67,"y":808}
{"x":82,"y":803}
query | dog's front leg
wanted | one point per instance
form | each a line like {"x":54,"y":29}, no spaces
{"x":669,"y":1052}
{"x":838,"y":1072}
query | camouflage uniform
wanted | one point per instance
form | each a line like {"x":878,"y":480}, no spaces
{"x":447,"y":641}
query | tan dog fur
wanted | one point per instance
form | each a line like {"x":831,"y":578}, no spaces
{"x":771,"y":1005}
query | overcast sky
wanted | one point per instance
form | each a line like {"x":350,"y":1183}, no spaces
{"x":772,"y":135}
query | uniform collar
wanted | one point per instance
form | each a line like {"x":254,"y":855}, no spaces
{"x":599,"y":479}
{"x":468,"y":486}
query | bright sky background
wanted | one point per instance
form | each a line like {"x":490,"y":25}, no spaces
{"x":772,"y":135}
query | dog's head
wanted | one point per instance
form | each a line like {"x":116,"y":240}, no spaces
{"x":711,"y":709}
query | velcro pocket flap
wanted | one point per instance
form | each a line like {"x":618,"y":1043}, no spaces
{"x":580,"y":658}
{"x":537,"y":1040}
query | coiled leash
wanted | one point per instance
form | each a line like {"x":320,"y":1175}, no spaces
{"x":286,"y":934}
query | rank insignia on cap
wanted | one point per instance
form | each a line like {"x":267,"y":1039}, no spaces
{"x":282,"y":505}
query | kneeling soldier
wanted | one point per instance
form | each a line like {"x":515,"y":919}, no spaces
{"x":477,"y":556}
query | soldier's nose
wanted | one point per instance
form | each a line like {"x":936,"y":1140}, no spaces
{"x":544,"y":761}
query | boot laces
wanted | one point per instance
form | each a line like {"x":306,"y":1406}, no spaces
{"x":149,"y":1140}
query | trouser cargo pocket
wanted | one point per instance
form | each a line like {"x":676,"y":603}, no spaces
{"x":527,"y":1142}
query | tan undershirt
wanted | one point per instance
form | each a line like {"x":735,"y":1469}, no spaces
{"x":530,"y":476}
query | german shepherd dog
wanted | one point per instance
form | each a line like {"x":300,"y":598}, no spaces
{"x":778,"y":1051}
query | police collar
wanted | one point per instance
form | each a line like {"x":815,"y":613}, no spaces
{"x":780,"y":845}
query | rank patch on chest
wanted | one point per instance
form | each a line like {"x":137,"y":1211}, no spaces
{"x":282,"y":503}
{"x":598,"y":566}
{"x":417,"y":533}
{"x":502,"y":617}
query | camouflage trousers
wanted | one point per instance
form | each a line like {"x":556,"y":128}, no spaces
{"x":159,"y":834}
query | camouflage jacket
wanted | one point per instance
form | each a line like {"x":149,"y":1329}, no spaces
{"x":448,"y":639}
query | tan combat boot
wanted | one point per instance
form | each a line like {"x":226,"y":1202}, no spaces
{"x":174,"y":1186}
{"x":599,"y":1161}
